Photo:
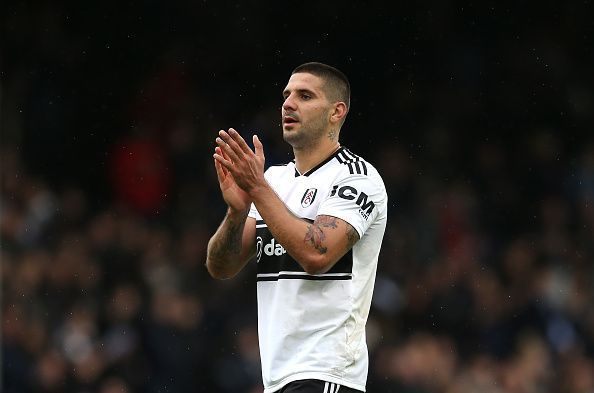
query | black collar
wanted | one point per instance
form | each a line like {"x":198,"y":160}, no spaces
{"x":321,"y":164}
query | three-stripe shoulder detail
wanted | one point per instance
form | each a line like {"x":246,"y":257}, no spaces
{"x":355,"y":163}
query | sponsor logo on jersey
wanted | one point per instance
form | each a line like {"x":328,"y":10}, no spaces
{"x":270,"y":249}
{"x":308,"y":197}
{"x":350,"y":193}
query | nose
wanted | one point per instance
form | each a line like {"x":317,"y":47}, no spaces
{"x":289,"y":103}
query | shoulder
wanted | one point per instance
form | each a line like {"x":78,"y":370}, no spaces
{"x":354,"y":166}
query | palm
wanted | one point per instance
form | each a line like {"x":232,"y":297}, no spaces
{"x":234,"y":196}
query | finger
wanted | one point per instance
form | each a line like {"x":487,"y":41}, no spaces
{"x":232,"y":143}
{"x":219,"y":169}
{"x":226,"y":165}
{"x":240,"y":141}
{"x":220,"y":152}
{"x":230,"y":153}
{"x":258,"y":146}
{"x":223,"y":159}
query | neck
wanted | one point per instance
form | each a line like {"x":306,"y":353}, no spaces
{"x":307,"y":158}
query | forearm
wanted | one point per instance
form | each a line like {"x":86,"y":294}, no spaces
{"x":225,"y":256}
{"x":303,"y":240}
{"x":315,"y":246}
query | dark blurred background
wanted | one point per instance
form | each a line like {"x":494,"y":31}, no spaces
{"x":479,"y":115}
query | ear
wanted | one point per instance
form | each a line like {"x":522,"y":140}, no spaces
{"x":338,"y":113}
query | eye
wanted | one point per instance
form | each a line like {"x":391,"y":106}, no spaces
{"x":305,"y":96}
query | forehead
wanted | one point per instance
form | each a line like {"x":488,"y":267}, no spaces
{"x":305,"y":81}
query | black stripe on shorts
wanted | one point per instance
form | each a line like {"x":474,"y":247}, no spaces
{"x":315,"y":386}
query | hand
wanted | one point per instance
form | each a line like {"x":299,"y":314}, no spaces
{"x":245,"y":166}
{"x":235,"y":197}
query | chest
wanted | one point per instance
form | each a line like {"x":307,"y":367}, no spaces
{"x":303,"y":194}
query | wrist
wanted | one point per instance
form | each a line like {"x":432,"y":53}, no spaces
{"x":239,"y":214}
{"x":257,"y":193}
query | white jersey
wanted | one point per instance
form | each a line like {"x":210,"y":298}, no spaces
{"x":313,"y":326}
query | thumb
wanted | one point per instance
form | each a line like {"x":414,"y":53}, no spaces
{"x":259,"y":148}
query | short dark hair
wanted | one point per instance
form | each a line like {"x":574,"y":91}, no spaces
{"x":338,"y":86}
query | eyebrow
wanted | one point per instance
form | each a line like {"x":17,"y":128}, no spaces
{"x":287,"y":91}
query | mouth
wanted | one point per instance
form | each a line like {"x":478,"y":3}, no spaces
{"x":289,"y":120}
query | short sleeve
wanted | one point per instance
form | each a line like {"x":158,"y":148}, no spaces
{"x":253,"y":211}
{"x":355,"y":199}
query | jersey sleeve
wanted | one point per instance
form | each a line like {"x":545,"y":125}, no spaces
{"x":253,"y":212}
{"x":356,"y":199}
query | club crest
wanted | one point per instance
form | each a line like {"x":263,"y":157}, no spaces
{"x":308,"y":197}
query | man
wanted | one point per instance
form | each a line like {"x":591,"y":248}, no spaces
{"x":315,"y":227}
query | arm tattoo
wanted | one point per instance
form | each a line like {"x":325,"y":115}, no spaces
{"x":315,"y":234}
{"x":233,"y":238}
{"x":352,"y":236}
{"x":230,"y":242}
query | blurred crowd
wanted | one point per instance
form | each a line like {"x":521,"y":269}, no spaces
{"x":108,"y":197}
{"x":113,"y":299}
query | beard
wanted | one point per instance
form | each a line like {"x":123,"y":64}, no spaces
{"x":305,"y":135}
